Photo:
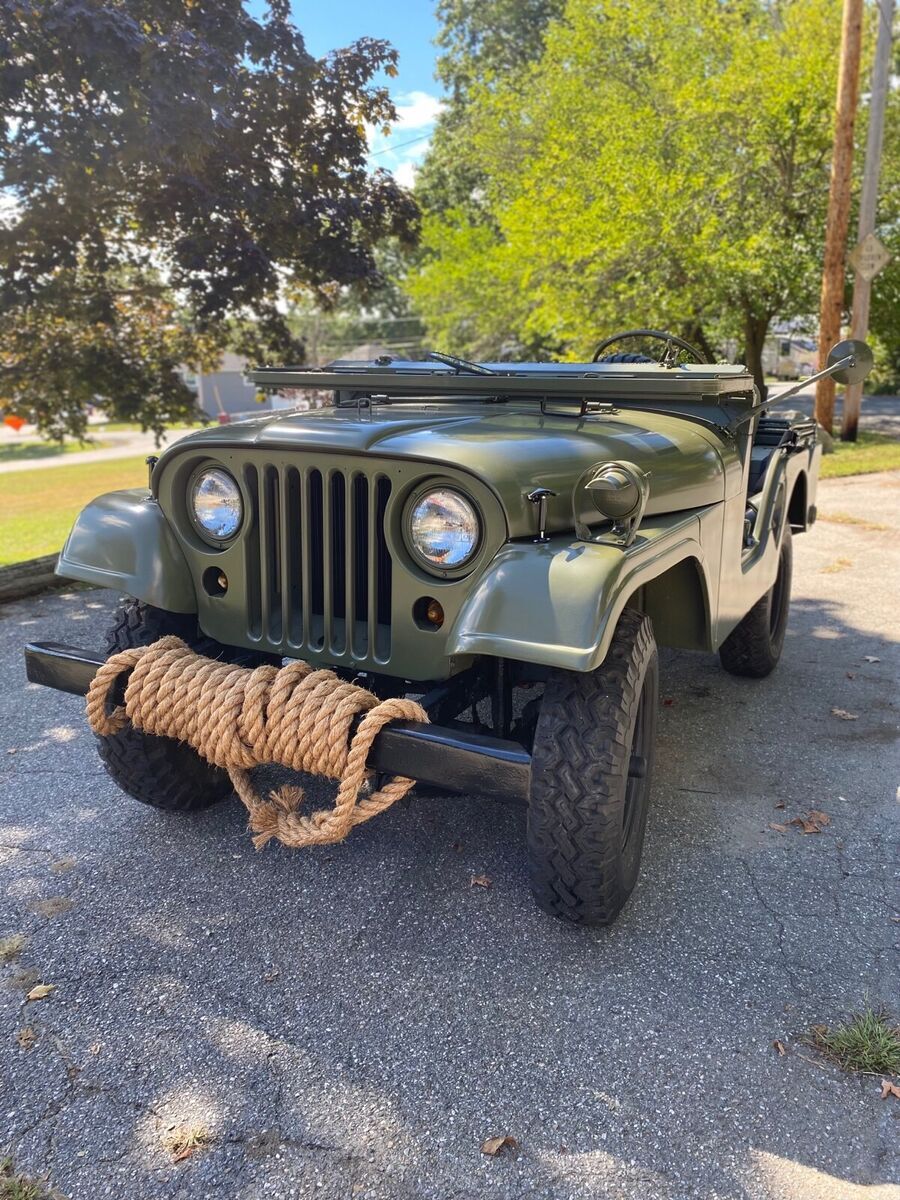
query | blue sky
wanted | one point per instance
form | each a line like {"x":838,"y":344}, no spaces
{"x":410,"y":26}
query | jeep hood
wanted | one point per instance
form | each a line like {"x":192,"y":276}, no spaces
{"x":513,"y":449}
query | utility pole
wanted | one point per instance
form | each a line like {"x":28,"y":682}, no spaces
{"x":862,"y":283}
{"x":832,"y":301}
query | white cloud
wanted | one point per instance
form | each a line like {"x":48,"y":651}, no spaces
{"x":417,"y":110}
{"x":405,"y":146}
{"x":406,"y":174}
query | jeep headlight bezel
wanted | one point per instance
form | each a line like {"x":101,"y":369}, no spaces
{"x":222,"y":496}
{"x":463,"y":530}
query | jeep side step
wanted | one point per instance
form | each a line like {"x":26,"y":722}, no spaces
{"x":450,"y":759}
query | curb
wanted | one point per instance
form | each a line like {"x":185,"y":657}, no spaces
{"x":28,"y":578}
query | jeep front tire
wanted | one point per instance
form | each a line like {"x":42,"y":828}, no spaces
{"x":592,"y":763}
{"x":160,"y":771}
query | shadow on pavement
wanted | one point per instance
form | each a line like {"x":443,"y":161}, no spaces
{"x":355,"y":1020}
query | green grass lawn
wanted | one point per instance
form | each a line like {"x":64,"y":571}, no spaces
{"x":24,"y":451}
{"x":134,"y":426}
{"x":871,"y":452}
{"x":37,"y":507}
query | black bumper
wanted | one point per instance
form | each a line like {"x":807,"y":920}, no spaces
{"x":450,"y":759}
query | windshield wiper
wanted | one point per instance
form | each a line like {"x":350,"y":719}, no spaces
{"x":462,"y":365}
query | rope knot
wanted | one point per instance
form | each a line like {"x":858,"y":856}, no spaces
{"x":238,"y":718}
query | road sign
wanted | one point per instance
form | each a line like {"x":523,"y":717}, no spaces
{"x":869,"y":257}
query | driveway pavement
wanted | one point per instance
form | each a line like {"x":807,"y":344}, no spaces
{"x":354,"y":1021}
{"x":122,"y":445}
{"x":879,"y":414}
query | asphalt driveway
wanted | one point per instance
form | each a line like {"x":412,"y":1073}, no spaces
{"x":354,"y":1021}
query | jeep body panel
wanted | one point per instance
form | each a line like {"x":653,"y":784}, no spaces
{"x":122,"y":540}
{"x":557,"y":604}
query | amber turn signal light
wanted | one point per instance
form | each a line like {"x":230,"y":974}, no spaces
{"x":428,"y":613}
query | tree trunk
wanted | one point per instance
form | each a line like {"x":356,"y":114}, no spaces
{"x":838,"y":222}
{"x":693,"y":332}
{"x":755,"y":330}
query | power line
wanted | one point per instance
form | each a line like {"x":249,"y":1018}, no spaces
{"x":401,"y":146}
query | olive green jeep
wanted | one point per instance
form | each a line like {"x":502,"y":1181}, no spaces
{"x":507,"y":541}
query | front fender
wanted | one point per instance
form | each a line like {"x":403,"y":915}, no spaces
{"x":558,"y":603}
{"x":122,"y":540}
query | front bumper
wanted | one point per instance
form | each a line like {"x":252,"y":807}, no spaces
{"x":451,"y":759}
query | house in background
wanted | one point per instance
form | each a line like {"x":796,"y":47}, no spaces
{"x":790,"y":351}
{"x":225,"y":393}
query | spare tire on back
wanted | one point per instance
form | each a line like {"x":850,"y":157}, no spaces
{"x":626,"y":358}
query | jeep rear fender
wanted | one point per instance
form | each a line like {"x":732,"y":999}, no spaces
{"x":122,"y":540}
{"x":558,"y":603}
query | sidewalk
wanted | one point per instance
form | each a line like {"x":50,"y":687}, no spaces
{"x":126,"y":445}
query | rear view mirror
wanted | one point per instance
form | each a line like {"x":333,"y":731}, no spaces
{"x":862,"y":361}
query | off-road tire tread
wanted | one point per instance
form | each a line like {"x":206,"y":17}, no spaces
{"x":159,"y":771}
{"x":580,"y":762}
{"x":750,"y":650}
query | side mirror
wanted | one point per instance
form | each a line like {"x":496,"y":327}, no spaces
{"x":861,"y":361}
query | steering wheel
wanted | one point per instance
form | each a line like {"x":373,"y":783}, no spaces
{"x":670,"y":355}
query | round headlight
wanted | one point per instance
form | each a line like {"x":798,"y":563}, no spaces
{"x":444,"y":529}
{"x":216,"y":504}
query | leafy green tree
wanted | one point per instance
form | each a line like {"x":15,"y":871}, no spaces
{"x":656,"y":166}
{"x":172,"y":166}
{"x":884,"y":316}
{"x":482,"y":43}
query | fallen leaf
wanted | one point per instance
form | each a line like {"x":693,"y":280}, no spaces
{"x":62,"y":865}
{"x":271,"y":976}
{"x":780,"y":1047}
{"x":850,"y":675}
{"x":40,"y":991}
{"x":844,"y":715}
{"x":668,"y":702}
{"x":26,"y":1038}
{"x":889,"y":1089}
{"x":780,"y":804}
{"x":778,"y":828}
{"x":482,"y":881}
{"x":870,"y":658}
{"x":814,"y":821}
{"x":495,"y":1145}
{"x":805,"y":825}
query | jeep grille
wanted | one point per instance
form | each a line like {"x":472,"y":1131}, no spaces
{"x":318,"y":565}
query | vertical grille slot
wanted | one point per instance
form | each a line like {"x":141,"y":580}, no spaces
{"x":291,"y":584}
{"x":315,"y":574}
{"x":270,"y":559}
{"x":358,"y":571}
{"x":337,"y":571}
{"x":380,"y":556}
{"x":252,"y":563}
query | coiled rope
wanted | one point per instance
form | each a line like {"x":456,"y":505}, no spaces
{"x":238,"y":718}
